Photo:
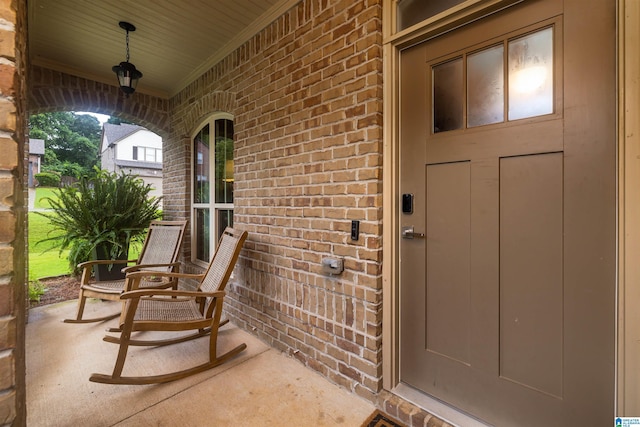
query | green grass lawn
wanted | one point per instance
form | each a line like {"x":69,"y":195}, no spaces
{"x":41,"y":194}
{"x":44,"y":258}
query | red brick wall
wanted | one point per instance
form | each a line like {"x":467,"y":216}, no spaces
{"x":306,"y":94}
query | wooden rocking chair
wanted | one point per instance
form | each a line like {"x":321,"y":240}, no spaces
{"x":178,"y":310}
{"x":159,"y":254}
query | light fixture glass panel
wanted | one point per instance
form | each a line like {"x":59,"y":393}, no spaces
{"x":531,"y":75}
{"x":448,"y":95}
{"x":485,"y":87}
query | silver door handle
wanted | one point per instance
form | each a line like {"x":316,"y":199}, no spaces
{"x":408,"y":233}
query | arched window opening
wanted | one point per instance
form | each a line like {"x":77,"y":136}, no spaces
{"x":212,"y":184}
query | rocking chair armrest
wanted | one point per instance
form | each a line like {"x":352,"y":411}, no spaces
{"x":104,"y":261}
{"x":145,"y":273}
{"x":137,"y":267}
{"x":170,"y":293}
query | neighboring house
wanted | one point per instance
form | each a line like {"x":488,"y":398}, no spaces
{"x":133,"y":150}
{"x":36,"y":153}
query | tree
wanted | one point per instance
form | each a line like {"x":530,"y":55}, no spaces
{"x":87,"y":126}
{"x":72,"y":141}
{"x":117,"y":121}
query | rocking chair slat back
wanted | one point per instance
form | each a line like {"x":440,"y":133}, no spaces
{"x":159,"y":247}
{"x":218,"y":274}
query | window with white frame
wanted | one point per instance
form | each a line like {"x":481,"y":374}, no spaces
{"x":147,"y":154}
{"x":212,"y":184}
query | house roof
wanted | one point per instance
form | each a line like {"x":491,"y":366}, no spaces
{"x":36,"y":146}
{"x":115,"y":133}
{"x":112,"y":133}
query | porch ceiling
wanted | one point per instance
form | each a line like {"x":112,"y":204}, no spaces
{"x":174,"y":42}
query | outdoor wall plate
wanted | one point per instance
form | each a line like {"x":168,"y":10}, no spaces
{"x":332,"y":266}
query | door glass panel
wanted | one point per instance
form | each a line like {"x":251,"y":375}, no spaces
{"x":448,"y":95}
{"x":410,"y":12}
{"x":531,"y":75}
{"x":485,"y":87}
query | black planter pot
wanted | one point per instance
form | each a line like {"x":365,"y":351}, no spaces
{"x":105,"y":272}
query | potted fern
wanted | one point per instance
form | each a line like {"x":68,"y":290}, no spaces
{"x":100,"y":216}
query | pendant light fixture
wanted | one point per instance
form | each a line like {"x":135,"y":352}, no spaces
{"x":126,"y":72}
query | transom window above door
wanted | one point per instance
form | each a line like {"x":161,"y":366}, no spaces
{"x":410,"y":12}
{"x":510,"y":80}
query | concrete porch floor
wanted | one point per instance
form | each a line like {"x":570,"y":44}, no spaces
{"x":260,"y":387}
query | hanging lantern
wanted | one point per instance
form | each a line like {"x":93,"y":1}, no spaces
{"x":126,"y":72}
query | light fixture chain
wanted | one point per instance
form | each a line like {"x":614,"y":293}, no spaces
{"x":127,"y":46}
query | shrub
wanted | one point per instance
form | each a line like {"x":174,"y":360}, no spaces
{"x":68,"y":169}
{"x":36,"y":290}
{"x":104,"y":211}
{"x":48,"y":179}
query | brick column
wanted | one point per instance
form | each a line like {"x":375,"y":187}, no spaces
{"x":12,"y":212}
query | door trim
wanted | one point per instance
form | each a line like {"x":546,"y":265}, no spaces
{"x":628,"y":326}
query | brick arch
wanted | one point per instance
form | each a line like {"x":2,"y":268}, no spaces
{"x":51,"y":90}
{"x":202,"y":108}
